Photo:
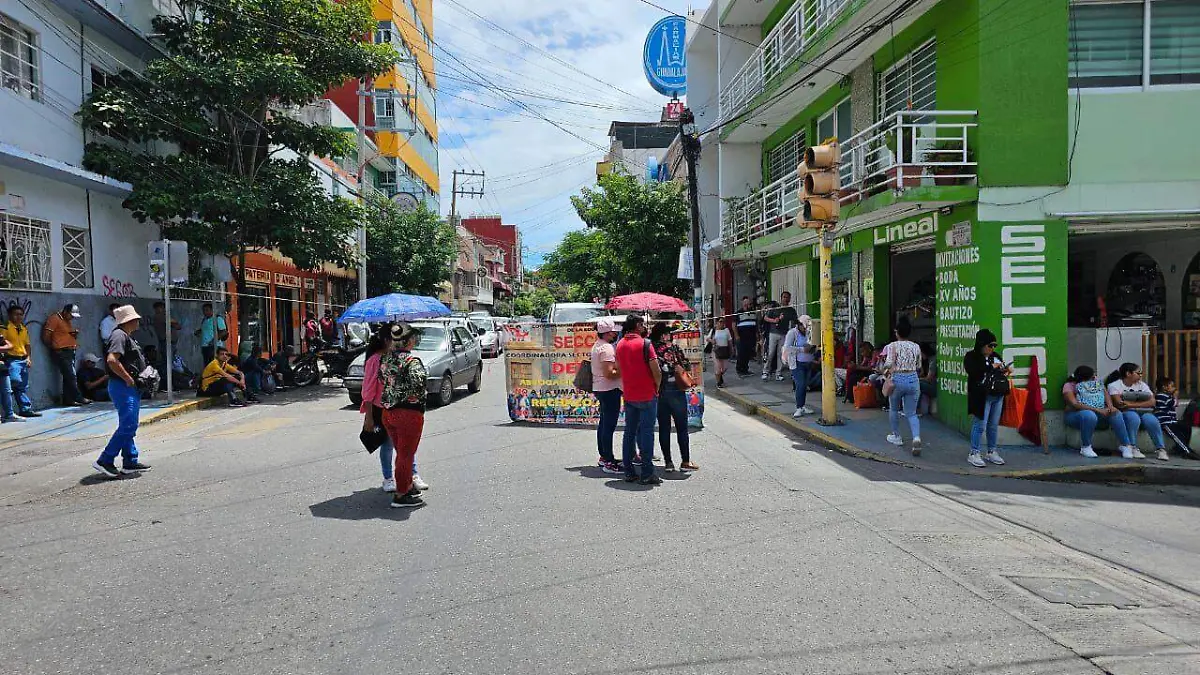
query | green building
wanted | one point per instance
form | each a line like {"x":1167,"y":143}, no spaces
{"x":1028,"y":166}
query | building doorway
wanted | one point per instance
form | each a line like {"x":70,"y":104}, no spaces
{"x":285,"y":307}
{"x":914,"y":291}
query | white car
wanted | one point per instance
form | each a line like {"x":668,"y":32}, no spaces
{"x":575,"y":312}
{"x":491,"y":335}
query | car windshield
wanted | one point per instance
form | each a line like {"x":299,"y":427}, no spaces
{"x":482,"y":324}
{"x":577,"y":314}
{"x":432,"y":339}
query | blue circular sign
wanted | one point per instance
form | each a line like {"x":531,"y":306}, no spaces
{"x":665,"y":56}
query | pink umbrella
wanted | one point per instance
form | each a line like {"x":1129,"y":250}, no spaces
{"x":647,"y":302}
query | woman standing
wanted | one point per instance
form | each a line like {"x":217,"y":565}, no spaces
{"x":379,"y":344}
{"x":1133,"y":398}
{"x":984,"y":402}
{"x":1089,"y":407}
{"x":903,"y":362}
{"x":800,"y":355}
{"x":723,"y":342}
{"x":606,"y":385}
{"x":403,"y":378}
{"x":672,"y":400}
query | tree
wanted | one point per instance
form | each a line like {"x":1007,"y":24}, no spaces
{"x":221,"y":99}
{"x":407,"y":251}
{"x":535,"y":303}
{"x":635,"y":232}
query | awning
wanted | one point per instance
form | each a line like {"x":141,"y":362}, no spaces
{"x":16,"y":158}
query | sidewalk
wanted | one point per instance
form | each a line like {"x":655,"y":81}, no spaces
{"x":91,"y":420}
{"x":864,"y":431}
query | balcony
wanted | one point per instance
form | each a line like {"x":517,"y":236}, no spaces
{"x":800,"y":28}
{"x":903,"y":151}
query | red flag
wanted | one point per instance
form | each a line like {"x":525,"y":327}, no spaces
{"x":1031,"y":427}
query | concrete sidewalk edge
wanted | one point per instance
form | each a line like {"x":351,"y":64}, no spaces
{"x":181,"y":408}
{"x":1109,"y":473}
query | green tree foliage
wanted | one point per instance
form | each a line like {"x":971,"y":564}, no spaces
{"x":407,"y":251}
{"x":632,"y":243}
{"x":535,"y":303}
{"x":221,"y":104}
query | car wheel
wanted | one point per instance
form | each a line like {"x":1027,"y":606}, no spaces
{"x":356,"y":399}
{"x":476,"y":381}
{"x":446,"y":391}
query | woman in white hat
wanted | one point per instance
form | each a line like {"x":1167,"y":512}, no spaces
{"x":125,"y":361}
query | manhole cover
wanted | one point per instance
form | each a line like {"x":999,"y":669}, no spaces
{"x":1073,"y":591}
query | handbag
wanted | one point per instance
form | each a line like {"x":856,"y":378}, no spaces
{"x":1014,"y":407}
{"x":996,"y":382}
{"x":374,"y":439}
{"x":708,"y":347}
{"x":583,"y":377}
{"x":864,"y":395}
{"x":683,"y":378}
{"x":889,"y":385}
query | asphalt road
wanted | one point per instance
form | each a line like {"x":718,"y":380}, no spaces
{"x":260,"y":543}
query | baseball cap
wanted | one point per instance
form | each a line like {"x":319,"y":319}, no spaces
{"x":73,"y":310}
{"x":605,"y":325}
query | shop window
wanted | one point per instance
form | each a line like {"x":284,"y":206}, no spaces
{"x":1137,"y":293}
{"x":1108,"y":43}
{"x":1191,"y":295}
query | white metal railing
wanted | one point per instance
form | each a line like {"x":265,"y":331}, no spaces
{"x":905,"y":149}
{"x":800,"y":27}
{"x":908,"y":149}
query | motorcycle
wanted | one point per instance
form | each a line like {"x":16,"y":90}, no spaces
{"x":307,"y":368}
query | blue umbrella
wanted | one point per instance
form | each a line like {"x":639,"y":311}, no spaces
{"x":394,"y":307}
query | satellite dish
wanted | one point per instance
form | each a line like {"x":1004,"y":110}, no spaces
{"x":407,"y":201}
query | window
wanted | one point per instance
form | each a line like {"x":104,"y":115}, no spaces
{"x":910,"y":84}
{"x":18,"y":59}
{"x":77,"y":257}
{"x":24,"y":253}
{"x":836,"y":122}
{"x":785,"y":157}
{"x":386,"y":180}
{"x":383,"y":33}
{"x":100,"y":79}
{"x":1110,"y":42}
{"x":385,"y":104}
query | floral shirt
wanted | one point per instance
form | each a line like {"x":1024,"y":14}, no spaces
{"x":403,"y":377}
{"x":669,"y":356}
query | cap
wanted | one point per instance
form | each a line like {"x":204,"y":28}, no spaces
{"x":125,"y":313}
{"x":73,"y":310}
{"x":89,"y":357}
{"x":605,"y":325}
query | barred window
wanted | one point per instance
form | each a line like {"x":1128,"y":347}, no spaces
{"x":19,"y":59}
{"x":24,"y":253}
{"x":77,"y":257}
{"x":786,"y":156}
{"x":911,"y":84}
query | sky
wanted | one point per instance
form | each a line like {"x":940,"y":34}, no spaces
{"x":582,"y":72}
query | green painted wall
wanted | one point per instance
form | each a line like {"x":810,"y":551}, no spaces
{"x":1110,"y":152}
{"x":955,"y":24}
{"x":806,"y":119}
{"x":1022,"y":135}
{"x":777,"y":12}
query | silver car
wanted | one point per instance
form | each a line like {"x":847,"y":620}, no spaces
{"x":491,"y":336}
{"x":450,"y":353}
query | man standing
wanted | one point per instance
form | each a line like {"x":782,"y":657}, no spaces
{"x":19,"y":359}
{"x":778,"y":320}
{"x":606,"y":385}
{"x":107,"y":324}
{"x":640,"y":378}
{"x":328,"y":328}
{"x":212,"y":333}
{"x":747,"y":336}
{"x":62,"y":337}
{"x":159,"y":321}
{"x":125,"y":361}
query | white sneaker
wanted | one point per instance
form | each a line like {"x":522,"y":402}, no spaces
{"x":799,"y":413}
{"x":1137,"y":454}
{"x":1162,"y":455}
{"x":807,"y":410}
{"x":1088,"y":452}
{"x":916,"y":446}
{"x":389,"y":485}
{"x":975,"y":459}
{"x":779,"y":378}
{"x":994,"y":457}
{"x":764,"y":377}
{"x":895,"y":439}
{"x":418,"y":483}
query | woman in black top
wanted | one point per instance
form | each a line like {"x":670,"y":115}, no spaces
{"x":672,"y":401}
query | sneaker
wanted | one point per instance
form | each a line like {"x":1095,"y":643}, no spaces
{"x":799,"y":413}
{"x":669,"y":468}
{"x":136,"y":467}
{"x":1137,"y":454}
{"x":690,"y":466}
{"x":975,"y":459}
{"x":895,"y":439}
{"x":1162,"y":455}
{"x":14,"y":418}
{"x":389,"y":485}
{"x":29,"y":413}
{"x":108,"y":469}
{"x":236,"y":404}
{"x":419,"y":484}
{"x":1088,"y":452}
{"x":994,"y":457}
{"x":407,"y":501}
{"x":916,"y":447}
{"x":630,"y":478}
{"x":611,"y":468}
{"x":651,"y":480}
{"x":807,"y":410}
{"x":1126,"y":452}
{"x":75,"y":404}
{"x":779,"y":378}
{"x":765,"y":377}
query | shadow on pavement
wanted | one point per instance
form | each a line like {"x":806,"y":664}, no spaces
{"x":370,"y":504}
{"x":97,"y":479}
{"x":675,"y":475}
{"x":591,"y":471}
{"x":622,"y":484}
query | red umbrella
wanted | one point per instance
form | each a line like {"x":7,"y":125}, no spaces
{"x":647,"y":302}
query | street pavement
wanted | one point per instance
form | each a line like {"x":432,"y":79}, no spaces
{"x":260,"y":543}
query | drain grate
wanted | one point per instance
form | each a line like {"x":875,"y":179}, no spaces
{"x":1074,"y":591}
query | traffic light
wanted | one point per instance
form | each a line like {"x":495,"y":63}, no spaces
{"x":821,"y":183}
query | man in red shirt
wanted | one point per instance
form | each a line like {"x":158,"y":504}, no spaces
{"x":640,"y":378}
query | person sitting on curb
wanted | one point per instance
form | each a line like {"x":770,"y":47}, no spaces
{"x":91,"y":379}
{"x":1133,"y":398}
{"x":222,"y":377}
{"x":1089,"y":407}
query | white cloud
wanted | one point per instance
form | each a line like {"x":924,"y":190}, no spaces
{"x":602,"y":39}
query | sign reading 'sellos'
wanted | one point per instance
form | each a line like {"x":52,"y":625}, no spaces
{"x":665,"y":56}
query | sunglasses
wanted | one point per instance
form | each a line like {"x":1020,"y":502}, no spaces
{"x":993,"y":345}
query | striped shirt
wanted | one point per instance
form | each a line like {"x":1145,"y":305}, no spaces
{"x":1165,"y":406}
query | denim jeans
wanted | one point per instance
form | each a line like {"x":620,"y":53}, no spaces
{"x":610,"y":412}
{"x":127,"y":401}
{"x":639,"y":430}
{"x":1135,"y":419}
{"x":993,"y":408}
{"x":64,"y":359}
{"x":908,"y":391}
{"x":6,"y":399}
{"x":672,"y":406}
{"x":800,"y":375}
{"x":1088,"y":421}
{"x":18,"y":376}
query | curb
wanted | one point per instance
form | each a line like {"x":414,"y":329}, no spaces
{"x":182,"y":408}
{"x":1109,"y":473}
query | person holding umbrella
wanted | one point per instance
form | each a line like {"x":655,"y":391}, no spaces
{"x":404,"y":394}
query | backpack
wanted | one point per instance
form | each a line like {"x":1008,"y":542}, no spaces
{"x":995,"y":382}
{"x":583,"y":377}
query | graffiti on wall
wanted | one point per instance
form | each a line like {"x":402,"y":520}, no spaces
{"x":115,"y":288}
{"x":16,"y":301}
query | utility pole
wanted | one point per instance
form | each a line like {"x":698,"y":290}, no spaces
{"x":821,"y":210}
{"x":691,"y":153}
{"x":456,"y":191}
{"x":362,"y":166}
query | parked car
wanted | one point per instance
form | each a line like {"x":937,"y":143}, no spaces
{"x":451,"y":355}
{"x":491,"y":336}
{"x":574,"y":312}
